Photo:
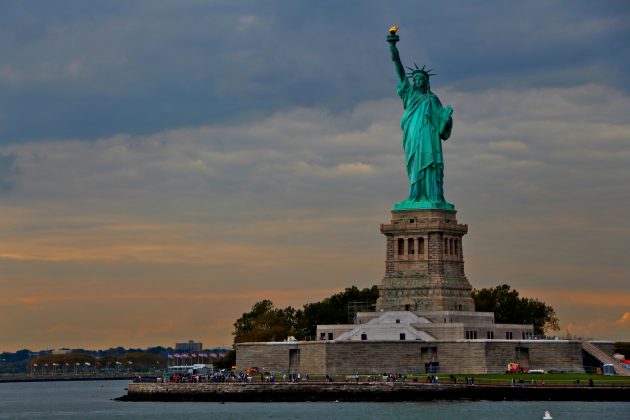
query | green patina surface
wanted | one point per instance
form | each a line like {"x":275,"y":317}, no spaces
{"x":425,"y":124}
{"x":410,"y":204}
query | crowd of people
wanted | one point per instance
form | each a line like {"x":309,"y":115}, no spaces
{"x":201,"y":377}
{"x":229,"y":376}
{"x":272,"y":377}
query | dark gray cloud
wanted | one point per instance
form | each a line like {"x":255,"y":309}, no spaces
{"x":93,"y":69}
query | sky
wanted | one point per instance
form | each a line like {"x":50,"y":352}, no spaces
{"x":165,"y":165}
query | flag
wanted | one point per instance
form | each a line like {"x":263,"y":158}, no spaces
{"x":193,"y":355}
{"x":118,"y":363}
{"x":87,"y":364}
{"x":130,"y":362}
{"x":170,"y":356}
{"x":178,"y":356}
{"x":77,"y":364}
{"x":55,"y":364}
{"x":67,"y":364}
{"x":35,"y":365}
{"x":45,"y":364}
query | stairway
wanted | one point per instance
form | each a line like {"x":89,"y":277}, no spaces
{"x":594,"y":351}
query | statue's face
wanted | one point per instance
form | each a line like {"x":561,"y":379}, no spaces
{"x":420,"y":80}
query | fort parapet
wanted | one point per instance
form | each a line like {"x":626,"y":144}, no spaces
{"x":407,"y":357}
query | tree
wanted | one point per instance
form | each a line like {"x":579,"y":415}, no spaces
{"x":142,"y":361}
{"x":266,"y":323}
{"x":62,"y":359}
{"x":333,"y":309}
{"x":509,"y":308}
{"x":15,"y":362}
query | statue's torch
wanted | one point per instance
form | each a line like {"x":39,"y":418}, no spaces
{"x":392,"y":38}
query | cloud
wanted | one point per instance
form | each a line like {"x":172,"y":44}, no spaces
{"x":354,"y":168}
{"x":598,"y":328}
{"x":245,"y":22}
{"x":279,"y":296}
{"x":624,"y":321}
{"x":589,"y":329}
{"x":10,"y":75}
{"x":201,"y":146}
{"x":161,"y":197}
{"x":145,"y":67}
{"x":64,"y":321}
{"x":8,"y":171}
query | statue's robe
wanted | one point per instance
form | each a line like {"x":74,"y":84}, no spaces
{"x":423,"y":127}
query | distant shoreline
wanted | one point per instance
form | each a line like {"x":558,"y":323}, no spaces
{"x":367,"y":391}
{"x":65,"y":378}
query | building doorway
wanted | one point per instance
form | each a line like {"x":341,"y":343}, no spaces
{"x":294,"y":360}
{"x":522,"y":357}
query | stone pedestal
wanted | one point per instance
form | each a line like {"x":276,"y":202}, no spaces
{"x":424,"y":265}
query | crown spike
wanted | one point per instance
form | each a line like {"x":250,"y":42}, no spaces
{"x":424,"y":70}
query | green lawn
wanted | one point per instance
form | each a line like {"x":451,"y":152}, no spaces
{"x":549,"y":378}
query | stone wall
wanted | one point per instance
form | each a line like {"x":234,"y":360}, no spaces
{"x":264,"y":356}
{"x":311,"y":356}
{"x":404,"y":357}
{"x":459,"y":316}
{"x":558,"y":355}
{"x":363,"y":391}
{"x":565,"y":356}
{"x":441,"y":331}
{"x":348,"y":357}
{"x":424,"y":266}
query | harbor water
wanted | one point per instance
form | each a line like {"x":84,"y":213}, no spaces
{"x":95,"y":400}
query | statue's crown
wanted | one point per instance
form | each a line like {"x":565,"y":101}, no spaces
{"x":426,"y":72}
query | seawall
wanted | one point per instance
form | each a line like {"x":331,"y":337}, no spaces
{"x":367,"y":391}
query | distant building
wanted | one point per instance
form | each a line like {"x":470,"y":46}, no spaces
{"x":61,"y":351}
{"x":190,"y":346}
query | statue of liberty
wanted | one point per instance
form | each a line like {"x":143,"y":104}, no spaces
{"x":425,"y":123}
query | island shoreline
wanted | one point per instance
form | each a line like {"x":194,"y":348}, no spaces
{"x":365,"y":392}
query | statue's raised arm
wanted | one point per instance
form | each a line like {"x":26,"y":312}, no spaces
{"x":392,"y":39}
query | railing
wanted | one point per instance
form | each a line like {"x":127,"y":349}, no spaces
{"x":600,"y":355}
